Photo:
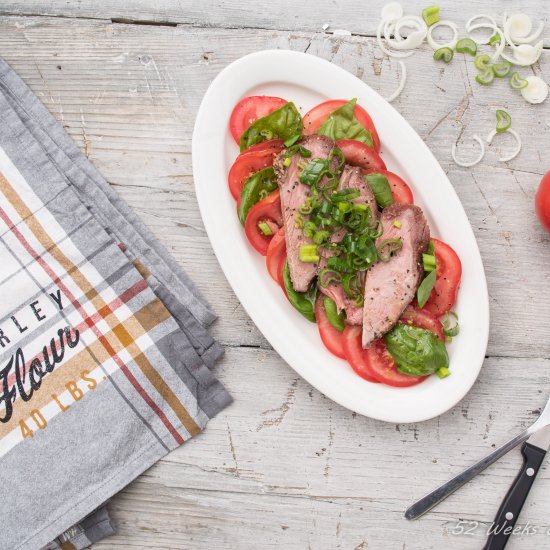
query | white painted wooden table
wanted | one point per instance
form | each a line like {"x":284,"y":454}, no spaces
{"x":284,"y":467}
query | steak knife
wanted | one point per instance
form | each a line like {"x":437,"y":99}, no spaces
{"x":534,"y":451}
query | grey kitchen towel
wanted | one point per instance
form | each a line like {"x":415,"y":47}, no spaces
{"x":99,"y":380}
{"x":164,"y":274}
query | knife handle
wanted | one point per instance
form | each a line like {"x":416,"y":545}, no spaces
{"x":514,"y":500}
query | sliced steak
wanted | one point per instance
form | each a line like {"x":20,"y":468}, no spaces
{"x":391,"y":286}
{"x":351,"y":178}
{"x":293,"y":195}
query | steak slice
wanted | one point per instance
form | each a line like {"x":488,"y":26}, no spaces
{"x":293,"y":195}
{"x":391,"y":286}
{"x":351,"y":178}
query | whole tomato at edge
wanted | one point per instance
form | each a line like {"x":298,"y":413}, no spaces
{"x":542,"y":201}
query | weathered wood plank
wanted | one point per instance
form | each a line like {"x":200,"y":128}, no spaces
{"x":352,"y":15}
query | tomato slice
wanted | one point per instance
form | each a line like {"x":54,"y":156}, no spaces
{"x":355,"y":354}
{"x":384,"y":368}
{"x":249,"y":162}
{"x":269,"y":210}
{"x":423,"y":319}
{"x":276,"y":257}
{"x":331,"y":337}
{"x":400,"y":191}
{"x":273,"y":145}
{"x":316,"y":116}
{"x":250,"y":109}
{"x":449,"y":272}
{"x":359,"y":154}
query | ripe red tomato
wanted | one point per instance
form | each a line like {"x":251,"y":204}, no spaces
{"x":356,"y":355}
{"x":316,"y":116}
{"x":268,"y":209}
{"x":331,"y":337}
{"x":276,"y":257}
{"x":249,"y":162}
{"x":423,"y":319}
{"x":359,"y":154}
{"x":449,"y":272}
{"x":542,"y":202}
{"x":400,"y":191}
{"x":250,"y":109}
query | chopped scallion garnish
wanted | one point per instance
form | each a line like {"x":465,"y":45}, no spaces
{"x":450,"y":324}
{"x":466,"y":45}
{"x":501,"y":69}
{"x":443,"y":372}
{"x":308,"y":253}
{"x":486,"y":77}
{"x":443,"y":54}
{"x":495,"y":39}
{"x":431,"y":15}
{"x":504,"y":121}
{"x":265,"y":229}
{"x":517,"y":82}
{"x":481,"y":61}
{"x":287,"y":161}
{"x":397,"y":223}
{"x":429,"y":262}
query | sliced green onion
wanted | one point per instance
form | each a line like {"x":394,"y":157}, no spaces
{"x":308,"y":253}
{"x":443,"y":372}
{"x":344,"y":207}
{"x":501,"y":69}
{"x":443,"y":54}
{"x":481,"y":61}
{"x":359,"y":300}
{"x":307,"y":207}
{"x":298,"y":221}
{"x":388,"y":247}
{"x":397,"y":223}
{"x":321,"y":237}
{"x":495,"y":39}
{"x":425,"y":289}
{"x":380,"y":188}
{"x":466,"y":45}
{"x":313,"y":171}
{"x":377,"y":230}
{"x":328,"y":276}
{"x":263,"y":194}
{"x":265,"y":229}
{"x":517,"y":82}
{"x":504,"y":121}
{"x":339,"y":264}
{"x":431,"y":15}
{"x":300,"y":149}
{"x":309,"y":229}
{"x":486,"y":77}
{"x":431,"y":248}
{"x":287,"y":161}
{"x":450,"y":324}
{"x":345,"y":195}
{"x":350,"y":285}
{"x":429,"y":262}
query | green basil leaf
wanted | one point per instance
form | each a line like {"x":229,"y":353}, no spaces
{"x":342,"y":124}
{"x":285,"y":123}
{"x":258,"y":184}
{"x":304,"y":302}
{"x":416,"y":351}
{"x":334,"y":318}
{"x":381,"y":189}
{"x":425,"y":288}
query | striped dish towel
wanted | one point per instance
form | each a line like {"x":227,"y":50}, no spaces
{"x":104,"y":354}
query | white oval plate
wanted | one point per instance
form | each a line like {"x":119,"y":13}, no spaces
{"x":308,"y":80}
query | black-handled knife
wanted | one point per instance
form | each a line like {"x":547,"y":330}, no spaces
{"x":534,"y":451}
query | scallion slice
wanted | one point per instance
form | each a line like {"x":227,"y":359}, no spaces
{"x":265,"y":229}
{"x":328,"y":276}
{"x":466,"y":45}
{"x":321,"y":236}
{"x":429,"y":262}
{"x":504,"y":121}
{"x":388,"y":247}
{"x":313,"y":171}
{"x":443,"y":372}
{"x":501,"y":69}
{"x":308,"y":253}
{"x":517,"y":82}
{"x":495,"y":39}
{"x":450,"y":324}
{"x":486,"y":77}
{"x":443,"y":54}
{"x":430,"y":15}
{"x":481,"y":61}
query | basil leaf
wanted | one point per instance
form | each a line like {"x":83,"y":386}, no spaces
{"x":285,"y":123}
{"x":258,"y":184}
{"x":416,"y":351}
{"x":425,"y":289}
{"x":334,"y":318}
{"x":381,"y":189}
{"x":342,"y":124}
{"x":304,"y":302}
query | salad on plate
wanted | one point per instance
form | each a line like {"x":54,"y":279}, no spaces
{"x":343,"y":238}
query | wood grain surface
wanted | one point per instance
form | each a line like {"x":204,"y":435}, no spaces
{"x":284,"y":467}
